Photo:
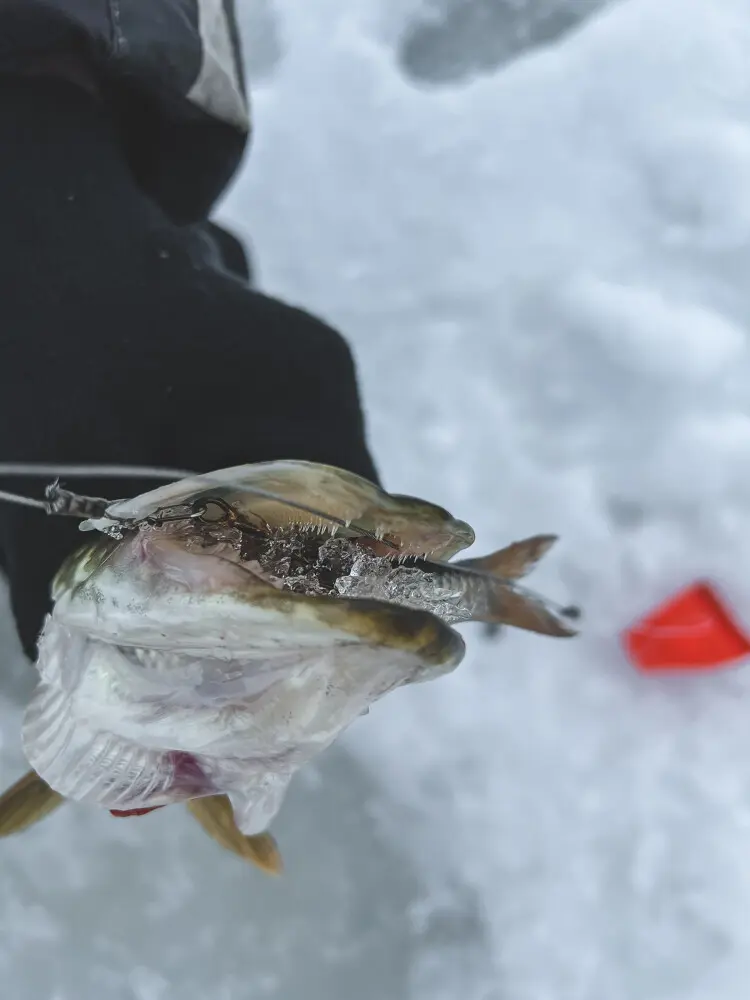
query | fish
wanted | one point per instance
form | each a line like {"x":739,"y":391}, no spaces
{"x":31,"y":799}
{"x":219,"y":632}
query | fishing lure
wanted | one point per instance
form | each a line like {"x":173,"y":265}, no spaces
{"x":222,"y":630}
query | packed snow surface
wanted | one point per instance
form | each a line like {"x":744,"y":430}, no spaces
{"x":540,"y":257}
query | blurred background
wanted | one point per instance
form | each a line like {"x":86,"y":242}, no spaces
{"x":531,"y":219}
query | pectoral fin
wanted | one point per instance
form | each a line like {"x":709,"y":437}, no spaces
{"x":215,"y":815}
{"x":25,"y":803}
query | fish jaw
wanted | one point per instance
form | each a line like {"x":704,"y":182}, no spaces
{"x":412,"y":525}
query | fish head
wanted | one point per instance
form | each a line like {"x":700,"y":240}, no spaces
{"x":286,"y":493}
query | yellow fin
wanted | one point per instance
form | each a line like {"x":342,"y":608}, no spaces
{"x":25,"y":803}
{"x":526,"y":611}
{"x":215,"y":815}
{"x":515,"y":560}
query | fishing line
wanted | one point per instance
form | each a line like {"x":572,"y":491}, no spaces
{"x":104,"y":471}
{"x":23,"y":501}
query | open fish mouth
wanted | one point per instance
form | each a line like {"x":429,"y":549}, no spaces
{"x":364,"y":543}
{"x":325,"y":561}
{"x":223,"y":630}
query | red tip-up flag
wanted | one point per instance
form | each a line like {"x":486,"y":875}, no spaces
{"x":691,"y":631}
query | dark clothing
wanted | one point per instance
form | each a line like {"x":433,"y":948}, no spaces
{"x":122,"y":341}
{"x":171,"y":73}
{"x":225,"y":251}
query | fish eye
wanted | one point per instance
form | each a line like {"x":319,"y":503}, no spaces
{"x":213,"y":510}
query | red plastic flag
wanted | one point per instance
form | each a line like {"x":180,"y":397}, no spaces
{"x":691,"y":631}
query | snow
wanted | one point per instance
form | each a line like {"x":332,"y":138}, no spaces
{"x":543,"y":273}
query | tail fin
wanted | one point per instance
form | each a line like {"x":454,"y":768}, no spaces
{"x":515,"y":560}
{"x":508,"y":605}
{"x":505,"y":603}
{"x":215,"y":815}
{"x":25,"y":803}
